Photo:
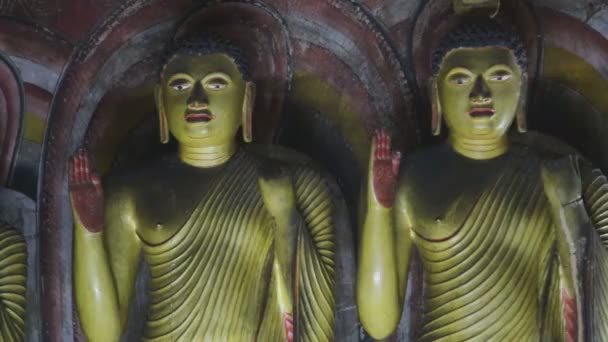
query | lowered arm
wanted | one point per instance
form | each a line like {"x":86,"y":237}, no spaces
{"x":302,"y":207}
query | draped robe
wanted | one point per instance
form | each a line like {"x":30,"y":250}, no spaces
{"x":13,"y":268}
{"x":496,"y":275}
{"x":212,"y":279}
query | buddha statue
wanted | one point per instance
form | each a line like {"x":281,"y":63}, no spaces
{"x":503,"y":230}
{"x":13,"y":274}
{"x":238,"y":239}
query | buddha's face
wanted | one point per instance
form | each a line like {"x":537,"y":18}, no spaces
{"x":203,"y":98}
{"x":479,"y":91}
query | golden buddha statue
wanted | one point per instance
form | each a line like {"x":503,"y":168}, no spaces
{"x":13,"y":274}
{"x":501,"y":231}
{"x":239,"y":240}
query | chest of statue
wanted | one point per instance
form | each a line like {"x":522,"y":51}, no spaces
{"x":440,"y":196}
{"x":209,"y":258}
{"x":482,"y":247}
{"x":166,"y":204}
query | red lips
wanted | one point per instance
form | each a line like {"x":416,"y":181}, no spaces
{"x":481,"y":112}
{"x":199,"y":116}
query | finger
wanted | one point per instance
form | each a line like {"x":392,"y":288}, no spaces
{"x":396,"y":162}
{"x":82,"y":159}
{"x":83,"y":178}
{"x":76,"y":166}
{"x":384,"y":146}
{"x":77,"y":171}
{"x":86,"y":171}
{"x":379,"y":145}
{"x":387,"y":145}
{"x":97,"y":183}
{"x":95,"y":179}
{"x":375,"y":145}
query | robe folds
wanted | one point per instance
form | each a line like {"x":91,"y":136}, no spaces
{"x":213,"y":279}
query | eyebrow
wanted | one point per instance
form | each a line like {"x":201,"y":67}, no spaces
{"x":219,"y":74}
{"x":169,"y":73}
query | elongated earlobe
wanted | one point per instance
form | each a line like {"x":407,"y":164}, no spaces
{"x":162,"y":116}
{"x":435,"y":108}
{"x":164,"y":129}
{"x":247,"y":113}
{"x":521,"y":114}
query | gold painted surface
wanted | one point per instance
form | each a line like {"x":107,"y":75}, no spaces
{"x":33,"y":129}
{"x":189,"y":86}
{"x":596,"y":202}
{"x":478,"y":96}
{"x":322,"y":96}
{"x":487,"y":248}
{"x":212,"y":276}
{"x":208,"y":279}
{"x":495,"y":264}
{"x":485,"y":280}
{"x":499,"y":233}
{"x":598,"y":294}
{"x":13,"y":268}
{"x":237,"y":239}
{"x":187,"y":301}
{"x":576,"y":194}
{"x":487,"y":79}
{"x":316,"y":250}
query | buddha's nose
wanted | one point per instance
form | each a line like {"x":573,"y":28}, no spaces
{"x":480,"y":93}
{"x":198,"y":97}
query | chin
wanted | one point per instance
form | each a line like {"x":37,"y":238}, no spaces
{"x":483,"y":130}
{"x":198,"y":131}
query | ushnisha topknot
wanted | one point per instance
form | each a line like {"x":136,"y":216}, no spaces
{"x":204,"y":44}
{"x":481,"y":32}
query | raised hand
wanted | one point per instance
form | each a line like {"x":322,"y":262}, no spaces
{"x":86,"y":192}
{"x":384,"y":169}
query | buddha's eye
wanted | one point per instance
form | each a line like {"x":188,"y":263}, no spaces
{"x":180,"y":84}
{"x":500,"y":76}
{"x":216,"y":84}
{"x":459,"y":79}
